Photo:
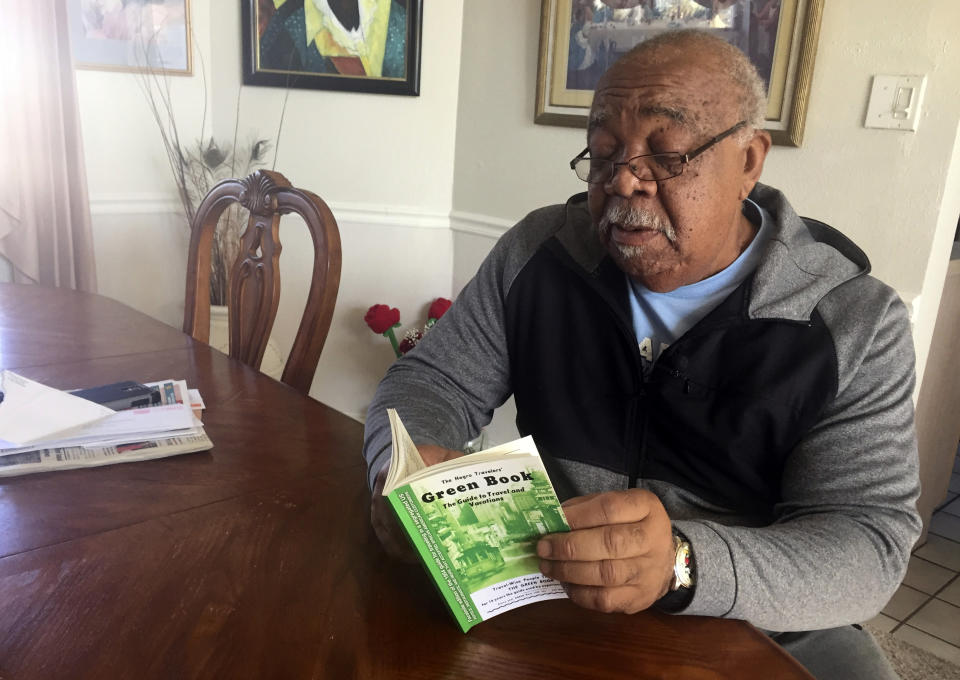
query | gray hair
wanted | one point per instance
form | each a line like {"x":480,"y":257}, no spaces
{"x":732,"y":62}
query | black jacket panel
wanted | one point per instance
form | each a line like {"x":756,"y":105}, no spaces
{"x":717,"y":414}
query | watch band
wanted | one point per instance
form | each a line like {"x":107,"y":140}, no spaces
{"x":683,"y":567}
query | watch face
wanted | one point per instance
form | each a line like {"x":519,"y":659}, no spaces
{"x":682,"y":574}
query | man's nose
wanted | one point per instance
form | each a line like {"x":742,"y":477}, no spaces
{"x":625,"y":183}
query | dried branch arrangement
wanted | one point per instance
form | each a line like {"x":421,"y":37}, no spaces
{"x":198,"y":165}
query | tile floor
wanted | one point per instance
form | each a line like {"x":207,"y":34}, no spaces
{"x":925,"y":610}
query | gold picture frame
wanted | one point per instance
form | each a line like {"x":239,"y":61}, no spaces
{"x":131,"y":37}
{"x":785,"y":56}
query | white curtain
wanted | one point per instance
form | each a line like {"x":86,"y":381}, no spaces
{"x":44,"y":209}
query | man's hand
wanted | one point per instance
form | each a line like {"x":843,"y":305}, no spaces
{"x":618,"y":555}
{"x":382,"y":517}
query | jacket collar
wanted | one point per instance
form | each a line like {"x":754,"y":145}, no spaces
{"x":578,"y":236}
{"x":803,"y":260}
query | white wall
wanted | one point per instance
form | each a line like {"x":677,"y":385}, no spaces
{"x":888,"y":190}
{"x":367,"y":149}
{"x":506,"y":166}
{"x":139,"y":243}
{"x":383,"y":163}
{"x":398,"y":171}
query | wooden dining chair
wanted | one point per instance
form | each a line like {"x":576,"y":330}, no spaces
{"x":254,"y":289}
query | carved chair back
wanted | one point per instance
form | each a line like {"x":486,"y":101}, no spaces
{"x":254,"y":280}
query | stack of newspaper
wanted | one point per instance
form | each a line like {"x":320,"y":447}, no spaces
{"x":43,"y":429}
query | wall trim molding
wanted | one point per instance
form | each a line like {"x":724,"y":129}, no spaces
{"x":479,"y":225}
{"x":362,"y":213}
{"x":389,"y":215}
{"x":354,"y":213}
{"x":359,"y":213}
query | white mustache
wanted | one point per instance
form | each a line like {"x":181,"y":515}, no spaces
{"x":636,"y":218}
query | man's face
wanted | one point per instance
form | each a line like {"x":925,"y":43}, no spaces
{"x":681,"y":230}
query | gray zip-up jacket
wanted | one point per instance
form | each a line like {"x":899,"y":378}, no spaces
{"x":777,"y":432}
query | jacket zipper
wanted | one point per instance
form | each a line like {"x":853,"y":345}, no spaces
{"x":632,"y":442}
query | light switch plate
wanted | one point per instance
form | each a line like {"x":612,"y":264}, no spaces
{"x":895,"y":102}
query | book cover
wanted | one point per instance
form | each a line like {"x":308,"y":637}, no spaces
{"x":475,"y":522}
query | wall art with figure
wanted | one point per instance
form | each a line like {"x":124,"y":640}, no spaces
{"x":352,"y":45}
{"x":580,"y":39}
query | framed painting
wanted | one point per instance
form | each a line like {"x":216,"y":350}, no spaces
{"x":351,"y":45}
{"x":579,"y":39}
{"x":131,"y":35}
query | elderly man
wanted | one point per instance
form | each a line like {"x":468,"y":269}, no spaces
{"x":718,"y":386}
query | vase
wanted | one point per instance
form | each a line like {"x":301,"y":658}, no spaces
{"x":272,"y":363}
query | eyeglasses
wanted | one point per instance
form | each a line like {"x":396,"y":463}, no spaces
{"x":649,"y":167}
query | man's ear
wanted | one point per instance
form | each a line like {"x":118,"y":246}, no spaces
{"x":754,"y":155}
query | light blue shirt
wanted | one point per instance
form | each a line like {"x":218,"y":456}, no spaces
{"x":660,"y":318}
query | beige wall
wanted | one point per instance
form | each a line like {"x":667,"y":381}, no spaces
{"x":887,"y":189}
{"x":400,"y":171}
{"x":139,"y":242}
{"x":367,"y":149}
{"x":384,"y":164}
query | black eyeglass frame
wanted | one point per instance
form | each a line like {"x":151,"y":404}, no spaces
{"x":684,"y":158}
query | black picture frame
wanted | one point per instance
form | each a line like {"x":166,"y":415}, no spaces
{"x":321,"y":73}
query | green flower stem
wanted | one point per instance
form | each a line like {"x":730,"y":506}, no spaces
{"x":393,"y":340}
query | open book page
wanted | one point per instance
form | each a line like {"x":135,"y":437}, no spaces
{"x":515,"y":449}
{"x":405,"y":458}
{"x":406,"y":465}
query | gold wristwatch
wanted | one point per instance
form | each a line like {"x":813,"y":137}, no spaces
{"x":682,"y":564}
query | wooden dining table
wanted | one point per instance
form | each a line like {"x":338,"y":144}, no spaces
{"x":256,"y":559}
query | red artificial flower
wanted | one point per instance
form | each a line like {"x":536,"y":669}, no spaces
{"x":438,"y":308}
{"x":382,"y":318}
{"x":410,"y":340}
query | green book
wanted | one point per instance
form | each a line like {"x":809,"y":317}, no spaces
{"x":475,"y":522}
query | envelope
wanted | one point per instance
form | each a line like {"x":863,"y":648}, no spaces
{"x":31,"y":412}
